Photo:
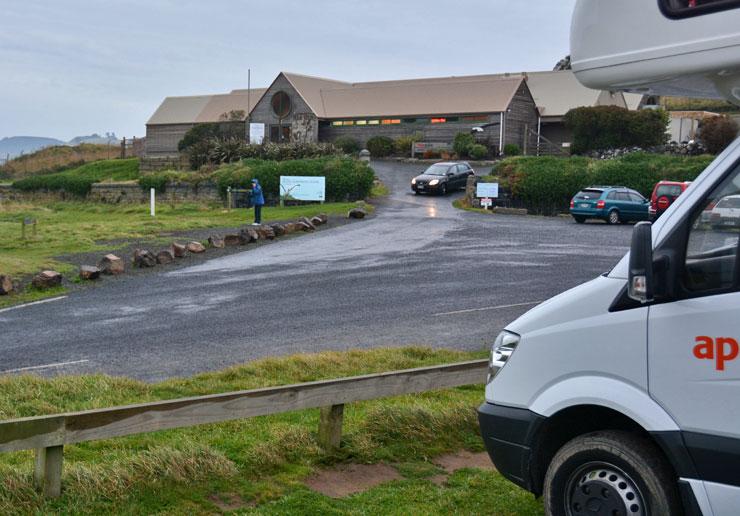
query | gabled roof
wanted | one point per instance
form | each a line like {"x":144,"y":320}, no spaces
{"x":487,"y":94}
{"x":204,"y":108}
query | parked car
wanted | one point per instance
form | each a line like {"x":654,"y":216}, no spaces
{"x":664,"y":194}
{"x":726,"y":213}
{"x":443,"y":177}
{"x":613,"y":204}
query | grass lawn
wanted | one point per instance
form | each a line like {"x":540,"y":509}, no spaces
{"x":76,"y":227}
{"x":262,"y":461}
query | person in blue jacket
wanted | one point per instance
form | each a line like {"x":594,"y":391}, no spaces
{"x":258,"y":200}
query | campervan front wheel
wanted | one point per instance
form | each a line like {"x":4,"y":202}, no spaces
{"x":610,"y":473}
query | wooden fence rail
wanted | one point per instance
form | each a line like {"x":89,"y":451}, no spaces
{"x":48,"y":434}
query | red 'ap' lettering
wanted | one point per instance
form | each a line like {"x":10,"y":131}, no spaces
{"x":721,"y":350}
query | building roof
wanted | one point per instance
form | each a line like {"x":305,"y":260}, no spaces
{"x":554,"y":92}
{"x":204,"y":108}
{"x":408,"y":98}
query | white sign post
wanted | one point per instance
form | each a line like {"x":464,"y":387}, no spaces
{"x":486,"y":192}
{"x":303,"y":188}
{"x":256,"y":133}
{"x":152,"y":201}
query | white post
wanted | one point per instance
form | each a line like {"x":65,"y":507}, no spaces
{"x":152,"y":195}
{"x":501,"y":134}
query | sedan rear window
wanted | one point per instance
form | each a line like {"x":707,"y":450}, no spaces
{"x":729,"y":202}
{"x":589,"y":194}
{"x":686,"y":8}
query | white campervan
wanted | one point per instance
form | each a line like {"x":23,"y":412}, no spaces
{"x":622,"y":396}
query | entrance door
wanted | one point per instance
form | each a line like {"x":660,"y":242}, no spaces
{"x":280,"y":133}
{"x":693,"y":350}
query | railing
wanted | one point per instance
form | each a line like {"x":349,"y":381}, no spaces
{"x":541,"y":146}
{"x":48,"y":434}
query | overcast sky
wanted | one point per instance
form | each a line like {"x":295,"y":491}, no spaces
{"x":74,"y":67}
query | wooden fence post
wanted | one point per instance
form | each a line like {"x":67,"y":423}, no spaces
{"x":330,"y":427}
{"x":47,"y":474}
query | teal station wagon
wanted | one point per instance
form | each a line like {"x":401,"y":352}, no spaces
{"x":613,"y":204}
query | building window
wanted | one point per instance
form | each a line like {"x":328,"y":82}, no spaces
{"x":373,"y":122}
{"x":686,"y":8}
{"x":360,"y":122}
{"x":475,"y":118}
{"x":409,"y":120}
{"x":336,"y":123}
{"x":438,"y":120}
{"x":280,"y":133}
{"x":281,"y":104}
{"x":391,"y":121}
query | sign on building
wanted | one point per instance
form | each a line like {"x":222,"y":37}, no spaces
{"x":303,"y":188}
{"x":489,"y":190}
{"x":256,"y":133}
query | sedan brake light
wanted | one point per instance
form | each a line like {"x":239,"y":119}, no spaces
{"x":572,"y":203}
{"x":600,"y":205}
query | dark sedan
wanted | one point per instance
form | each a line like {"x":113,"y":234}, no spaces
{"x":441,"y":178}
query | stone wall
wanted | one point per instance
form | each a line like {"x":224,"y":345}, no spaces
{"x":156,"y":163}
{"x":115,"y":193}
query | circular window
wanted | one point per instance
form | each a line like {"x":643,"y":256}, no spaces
{"x":281,"y":104}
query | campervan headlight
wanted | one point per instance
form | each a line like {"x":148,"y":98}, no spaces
{"x":503,"y":347}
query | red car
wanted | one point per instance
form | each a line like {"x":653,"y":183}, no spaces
{"x":664,"y":194}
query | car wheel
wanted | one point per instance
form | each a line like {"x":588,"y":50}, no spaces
{"x":579,"y":219}
{"x":613,"y":217}
{"x":443,"y":190}
{"x":605,"y":473}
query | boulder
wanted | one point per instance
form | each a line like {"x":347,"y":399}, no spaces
{"x":89,"y":272}
{"x":307,"y":222}
{"x":196,"y":247}
{"x":179,"y":250}
{"x":6,"y":285}
{"x":323,"y":217}
{"x":217,"y":242}
{"x":278,"y":229}
{"x":143,"y":258}
{"x":234,"y":240}
{"x":356,"y":213}
{"x":290,"y":227}
{"x":47,"y":279}
{"x":304,"y":226}
{"x":316,"y":221}
{"x":265,"y":232}
{"x":165,"y":257}
{"x":111,"y":264}
{"x":249,"y":235}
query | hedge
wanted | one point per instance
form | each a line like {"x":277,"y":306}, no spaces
{"x":78,"y":181}
{"x":380,"y":146}
{"x":547,"y":184}
{"x":611,"y":127}
{"x":346,"y":178}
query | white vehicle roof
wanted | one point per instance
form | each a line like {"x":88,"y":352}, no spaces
{"x":658,"y":47}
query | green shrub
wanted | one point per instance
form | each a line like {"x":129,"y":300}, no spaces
{"x":347,"y":144}
{"x":462,"y":143}
{"x":160,"y":180}
{"x":209,"y":131}
{"x":546,"y":184}
{"x":608,"y":127}
{"x":346,"y":178}
{"x":477,"y":151}
{"x":717,"y":133}
{"x":380,"y":146}
{"x":78,"y":181}
{"x":403,"y":144}
{"x":512,"y":149}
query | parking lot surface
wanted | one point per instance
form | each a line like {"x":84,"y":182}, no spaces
{"x":419,"y":272}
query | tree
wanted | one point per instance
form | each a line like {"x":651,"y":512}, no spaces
{"x":717,"y":133}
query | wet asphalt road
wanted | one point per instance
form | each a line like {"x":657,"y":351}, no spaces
{"x":420,"y":272}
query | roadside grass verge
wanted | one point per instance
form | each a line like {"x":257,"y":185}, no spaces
{"x":261,"y":461}
{"x":77,"y":227}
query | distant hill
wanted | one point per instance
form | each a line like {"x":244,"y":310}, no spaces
{"x":14,"y":146}
{"x":17,"y":145}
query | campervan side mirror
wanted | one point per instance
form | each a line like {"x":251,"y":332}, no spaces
{"x":641,"y":283}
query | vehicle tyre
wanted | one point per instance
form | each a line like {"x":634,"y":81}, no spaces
{"x":580,"y":219}
{"x":416,"y":192}
{"x":610,"y":472}
{"x":443,"y":190}
{"x":613,"y":217}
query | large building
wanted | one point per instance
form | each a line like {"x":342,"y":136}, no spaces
{"x":523,"y":109}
